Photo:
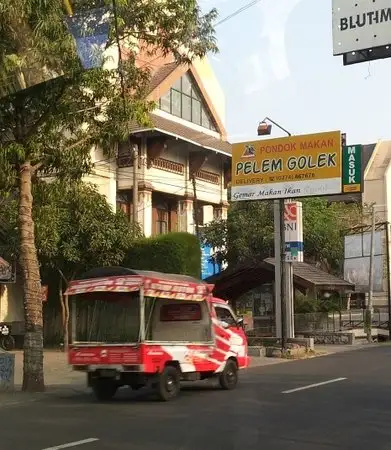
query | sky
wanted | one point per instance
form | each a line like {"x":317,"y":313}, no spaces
{"x":276,"y":60}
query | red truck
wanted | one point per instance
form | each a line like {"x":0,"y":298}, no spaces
{"x":136,"y":328}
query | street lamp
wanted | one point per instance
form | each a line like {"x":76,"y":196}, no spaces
{"x":265,"y":129}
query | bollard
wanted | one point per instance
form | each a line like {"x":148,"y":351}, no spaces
{"x":7,"y":371}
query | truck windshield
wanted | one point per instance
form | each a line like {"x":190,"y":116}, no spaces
{"x":107,"y":317}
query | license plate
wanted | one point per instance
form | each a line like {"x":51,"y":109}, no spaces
{"x":107,"y":373}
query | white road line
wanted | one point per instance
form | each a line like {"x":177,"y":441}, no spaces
{"x":72,"y":444}
{"x":310,"y":386}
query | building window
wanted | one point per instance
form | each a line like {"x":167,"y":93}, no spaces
{"x":162,"y":221}
{"x":124,"y":204}
{"x":184,"y":100}
{"x":165,"y":102}
{"x":186,"y":107}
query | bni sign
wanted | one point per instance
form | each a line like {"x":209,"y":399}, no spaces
{"x":295,"y":166}
{"x":293,"y":226}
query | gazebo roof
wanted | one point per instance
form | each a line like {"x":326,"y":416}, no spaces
{"x":236,"y":281}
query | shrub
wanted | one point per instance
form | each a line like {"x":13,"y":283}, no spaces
{"x":170,"y":253}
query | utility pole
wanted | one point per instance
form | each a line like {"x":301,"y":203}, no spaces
{"x":369,"y":310}
{"x":195,"y":207}
{"x":388,"y":277}
{"x":279,"y":250}
{"x":134,"y":149}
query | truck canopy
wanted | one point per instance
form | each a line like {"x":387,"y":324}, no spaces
{"x":155,"y":284}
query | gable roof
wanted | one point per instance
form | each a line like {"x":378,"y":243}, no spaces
{"x":164,"y":77}
{"x":160,"y":75}
{"x":313,"y":276}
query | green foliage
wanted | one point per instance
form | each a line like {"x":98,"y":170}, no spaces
{"x":75,"y":227}
{"x":305,"y":304}
{"x":248,"y":234}
{"x":65,"y":109}
{"x":178,"y":253}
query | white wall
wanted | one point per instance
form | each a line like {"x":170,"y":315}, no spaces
{"x":104,"y":176}
{"x":11,"y":303}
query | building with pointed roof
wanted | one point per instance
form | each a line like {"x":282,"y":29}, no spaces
{"x":186,"y":139}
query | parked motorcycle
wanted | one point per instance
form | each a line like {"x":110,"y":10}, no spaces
{"x":7,"y":341}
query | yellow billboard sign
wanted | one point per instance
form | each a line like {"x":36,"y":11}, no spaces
{"x":295,"y":166}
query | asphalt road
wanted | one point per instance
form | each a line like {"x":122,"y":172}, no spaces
{"x":351,"y":411}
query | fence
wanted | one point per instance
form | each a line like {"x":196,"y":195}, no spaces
{"x":338,"y":321}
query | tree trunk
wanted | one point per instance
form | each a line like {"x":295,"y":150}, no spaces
{"x":65,"y":314}
{"x":63,"y":310}
{"x":66,"y":325}
{"x":33,"y":373}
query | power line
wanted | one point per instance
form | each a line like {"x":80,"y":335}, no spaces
{"x":237,"y":12}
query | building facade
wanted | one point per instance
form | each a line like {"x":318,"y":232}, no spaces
{"x":184,"y":158}
{"x":377,"y":191}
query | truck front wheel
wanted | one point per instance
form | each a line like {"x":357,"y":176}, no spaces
{"x":168,"y":385}
{"x":104,"y":389}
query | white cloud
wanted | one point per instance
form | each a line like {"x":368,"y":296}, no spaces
{"x":252,"y":74}
{"x":275,"y":14}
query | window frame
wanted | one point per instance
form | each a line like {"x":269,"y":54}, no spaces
{"x":195,"y":96}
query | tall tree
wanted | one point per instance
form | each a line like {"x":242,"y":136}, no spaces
{"x":76,"y":229}
{"x":52,"y":110}
{"x":248,"y":234}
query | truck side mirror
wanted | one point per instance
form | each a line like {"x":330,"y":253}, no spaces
{"x":240,"y":322}
{"x":224,"y":324}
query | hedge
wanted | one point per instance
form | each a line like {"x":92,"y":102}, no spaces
{"x":170,"y":253}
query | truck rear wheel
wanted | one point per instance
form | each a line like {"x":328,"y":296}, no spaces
{"x":168,"y":385}
{"x":229,"y":377}
{"x":104,"y":389}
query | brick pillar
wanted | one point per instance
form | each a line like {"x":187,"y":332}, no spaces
{"x":185,"y":215}
{"x":145,"y":208}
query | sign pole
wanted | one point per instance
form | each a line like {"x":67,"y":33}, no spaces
{"x":281,"y":263}
{"x":278,"y":266}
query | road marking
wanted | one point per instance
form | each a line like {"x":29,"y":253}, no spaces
{"x":310,"y":386}
{"x":72,"y":444}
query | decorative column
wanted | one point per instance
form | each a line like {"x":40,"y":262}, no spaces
{"x":144,"y":211}
{"x":185,"y":215}
{"x":220,"y":212}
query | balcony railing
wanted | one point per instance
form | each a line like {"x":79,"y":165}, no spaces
{"x":209,"y":177}
{"x":168,"y":166}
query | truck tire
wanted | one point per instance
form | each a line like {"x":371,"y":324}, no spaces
{"x":229,"y":376}
{"x":168,"y":385}
{"x":104,"y":389}
{"x":7,"y":343}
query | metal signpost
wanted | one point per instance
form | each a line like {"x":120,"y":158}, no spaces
{"x":285,"y":168}
{"x":289,"y":167}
